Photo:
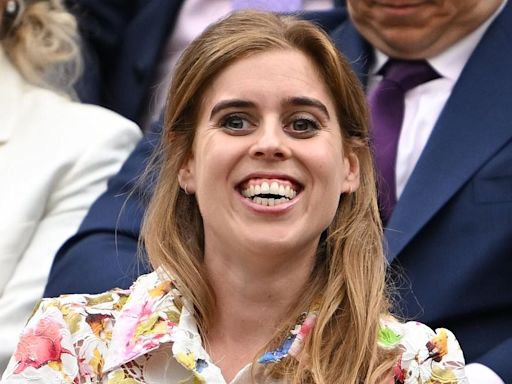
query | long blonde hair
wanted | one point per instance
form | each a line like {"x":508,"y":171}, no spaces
{"x":42,"y":42}
{"x":349,"y":275}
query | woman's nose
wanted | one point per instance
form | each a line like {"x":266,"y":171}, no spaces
{"x":271,"y":143}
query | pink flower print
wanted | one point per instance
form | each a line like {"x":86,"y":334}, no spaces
{"x":40,"y":345}
{"x":304,"y":331}
{"x":398,"y":372}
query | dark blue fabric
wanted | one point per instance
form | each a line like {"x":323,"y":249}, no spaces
{"x":123,"y":40}
{"x":450,"y":232}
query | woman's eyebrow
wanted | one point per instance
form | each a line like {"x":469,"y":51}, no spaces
{"x":231,"y":103}
{"x":307,"y":101}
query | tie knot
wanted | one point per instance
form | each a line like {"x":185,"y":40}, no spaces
{"x":408,"y":73}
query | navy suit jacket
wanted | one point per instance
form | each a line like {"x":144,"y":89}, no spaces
{"x":123,"y":40}
{"x":450,"y":233}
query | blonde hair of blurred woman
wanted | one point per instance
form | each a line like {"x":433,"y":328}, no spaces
{"x":40,"y":38}
{"x":349,"y":275}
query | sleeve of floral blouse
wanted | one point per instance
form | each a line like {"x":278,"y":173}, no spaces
{"x":45,"y":351}
{"x":428,"y":356}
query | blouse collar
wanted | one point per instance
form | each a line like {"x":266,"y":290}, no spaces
{"x":156,"y":313}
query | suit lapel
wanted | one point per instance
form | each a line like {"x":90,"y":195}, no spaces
{"x":474,"y":124}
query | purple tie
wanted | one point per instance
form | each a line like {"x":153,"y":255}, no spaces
{"x":268,"y":5}
{"x":387,"y":112}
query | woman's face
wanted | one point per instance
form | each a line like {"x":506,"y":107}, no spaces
{"x":268,"y":165}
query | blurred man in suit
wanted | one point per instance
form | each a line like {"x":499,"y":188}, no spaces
{"x":451,"y":228}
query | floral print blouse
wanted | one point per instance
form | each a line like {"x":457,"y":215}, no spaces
{"x":148,"y":335}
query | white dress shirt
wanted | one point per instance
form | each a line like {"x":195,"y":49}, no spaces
{"x":423,"y":106}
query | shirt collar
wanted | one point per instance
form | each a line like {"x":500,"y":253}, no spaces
{"x":156,"y":313}
{"x":450,"y":63}
{"x":151,"y":316}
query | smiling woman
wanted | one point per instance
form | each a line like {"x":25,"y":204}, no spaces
{"x":263,"y":230}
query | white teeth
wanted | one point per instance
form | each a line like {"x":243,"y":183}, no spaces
{"x":274,"y":188}
{"x":285,"y":191}
{"x":270,"y":201}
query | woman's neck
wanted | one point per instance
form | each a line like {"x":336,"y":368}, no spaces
{"x":254,"y":294}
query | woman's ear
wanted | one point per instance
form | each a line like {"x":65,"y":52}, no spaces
{"x":186,"y":177}
{"x":351,"y":178}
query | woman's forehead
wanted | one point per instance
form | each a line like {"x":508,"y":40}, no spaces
{"x":267,"y":75}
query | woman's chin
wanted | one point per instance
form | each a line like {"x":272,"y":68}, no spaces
{"x":273,"y":242}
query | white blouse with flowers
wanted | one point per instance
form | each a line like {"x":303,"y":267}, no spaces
{"x":147,"y":335}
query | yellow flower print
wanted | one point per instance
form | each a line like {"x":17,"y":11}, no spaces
{"x":123,"y":299}
{"x":442,"y":376}
{"x":71,"y":318}
{"x":161,"y":289}
{"x":118,"y":377}
{"x":73,"y":321}
{"x":147,"y":326}
{"x":98,"y":323}
{"x":55,"y":365}
{"x":99,"y":299}
{"x":160,"y":328}
{"x":193,"y":380}
{"x":188,"y":360}
{"x":97,"y":362}
{"x":438,"y":345}
{"x":173,"y":316}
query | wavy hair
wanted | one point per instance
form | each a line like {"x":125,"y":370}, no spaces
{"x":349,"y":275}
{"x":42,"y":41}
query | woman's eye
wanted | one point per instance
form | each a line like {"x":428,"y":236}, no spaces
{"x":304,"y":127}
{"x":235,"y":123}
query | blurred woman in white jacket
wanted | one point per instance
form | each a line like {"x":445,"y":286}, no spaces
{"x":55,"y":154}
